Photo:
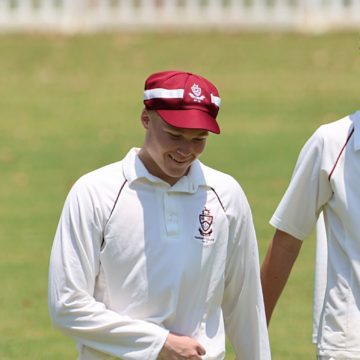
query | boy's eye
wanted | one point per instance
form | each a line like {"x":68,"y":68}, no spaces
{"x":175,"y":136}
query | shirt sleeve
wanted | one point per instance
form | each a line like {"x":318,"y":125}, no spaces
{"x":243,"y":305}
{"x":74,"y":266}
{"x":308,"y":191}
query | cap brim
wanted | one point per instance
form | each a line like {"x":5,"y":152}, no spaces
{"x":190,"y":119}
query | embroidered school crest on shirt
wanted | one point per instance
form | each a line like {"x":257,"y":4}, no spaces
{"x":196,"y":93}
{"x":206,"y":220}
{"x":206,"y":228}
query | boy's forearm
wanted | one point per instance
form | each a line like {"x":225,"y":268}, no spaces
{"x":276,"y":268}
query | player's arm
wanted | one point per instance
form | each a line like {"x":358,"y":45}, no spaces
{"x":74,"y":267}
{"x":276,"y":268}
{"x":243,"y":305}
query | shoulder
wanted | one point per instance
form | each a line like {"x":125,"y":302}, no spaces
{"x":329,"y":139}
{"x":326,"y":140}
{"x":98,"y":189}
{"x":226,"y":187}
{"x":104,"y":178}
{"x":335,"y":131}
{"x":219,"y":179}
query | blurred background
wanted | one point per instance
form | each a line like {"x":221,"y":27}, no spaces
{"x":71,"y":16}
{"x":71,"y":86}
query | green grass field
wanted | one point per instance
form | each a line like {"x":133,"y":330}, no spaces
{"x":71,"y":104}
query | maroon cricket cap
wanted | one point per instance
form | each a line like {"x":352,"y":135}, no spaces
{"x":183,"y":100}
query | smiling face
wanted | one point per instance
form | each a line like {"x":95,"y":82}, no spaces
{"x":168,"y":152}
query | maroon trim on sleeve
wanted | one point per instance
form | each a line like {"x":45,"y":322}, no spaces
{"x":117,"y":198}
{"x":218,"y":197}
{"x":112,"y":210}
{"x":340,"y":153}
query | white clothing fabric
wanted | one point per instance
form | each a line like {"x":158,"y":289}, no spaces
{"x":320,"y":275}
{"x":326,"y":178}
{"x":135,"y":258}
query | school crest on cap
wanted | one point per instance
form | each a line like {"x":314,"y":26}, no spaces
{"x":196,"y":93}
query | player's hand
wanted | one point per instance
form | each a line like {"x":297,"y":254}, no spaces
{"x":178,"y":347}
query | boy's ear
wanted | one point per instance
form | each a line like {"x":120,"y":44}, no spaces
{"x":145,"y":119}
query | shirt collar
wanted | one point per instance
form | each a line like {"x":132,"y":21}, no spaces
{"x":355,"y":118}
{"x":134,"y":169}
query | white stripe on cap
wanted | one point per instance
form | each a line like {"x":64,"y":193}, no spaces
{"x":160,"y":93}
{"x":215,"y":100}
{"x":163,"y":93}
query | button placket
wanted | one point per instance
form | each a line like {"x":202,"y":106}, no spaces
{"x":171,"y":214}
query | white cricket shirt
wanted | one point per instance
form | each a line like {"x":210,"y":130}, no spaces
{"x":134,"y":258}
{"x":327,"y":178}
{"x":320,"y":276}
